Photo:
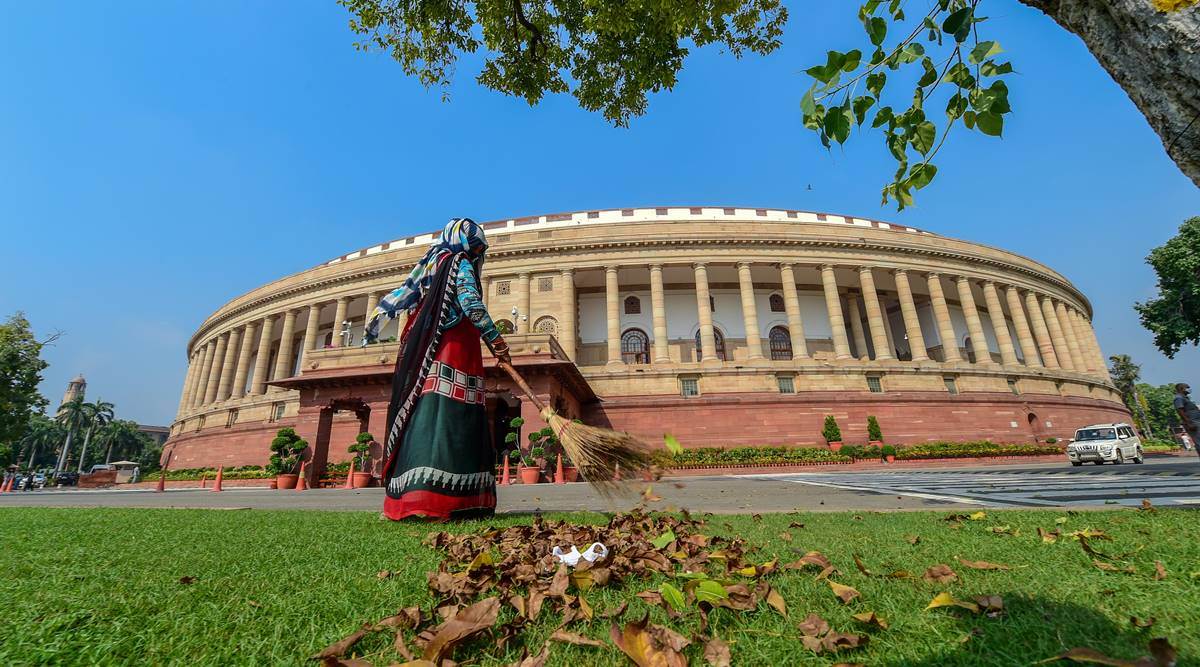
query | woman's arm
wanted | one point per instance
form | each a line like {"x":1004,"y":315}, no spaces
{"x":472,"y":306}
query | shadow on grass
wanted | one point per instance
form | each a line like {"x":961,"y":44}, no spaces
{"x":1030,"y":630}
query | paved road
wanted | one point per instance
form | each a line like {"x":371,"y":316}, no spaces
{"x":1174,"y":481}
{"x":1165,"y":481}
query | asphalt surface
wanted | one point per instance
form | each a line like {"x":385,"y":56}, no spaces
{"x":1166,"y":481}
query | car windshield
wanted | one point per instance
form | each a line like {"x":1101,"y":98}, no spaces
{"x":1095,"y":434}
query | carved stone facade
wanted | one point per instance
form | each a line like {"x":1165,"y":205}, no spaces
{"x":724,"y":326}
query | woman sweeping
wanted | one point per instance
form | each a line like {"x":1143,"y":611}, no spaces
{"x":438,"y":460}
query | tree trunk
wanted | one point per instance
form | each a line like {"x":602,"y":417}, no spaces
{"x":32,"y":453}
{"x":1153,"y":55}
{"x":83,"y":453}
{"x":62,"y":458}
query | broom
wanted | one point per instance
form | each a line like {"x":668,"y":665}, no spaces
{"x":597,"y":452}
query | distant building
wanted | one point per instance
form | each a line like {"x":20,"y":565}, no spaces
{"x":75,"y":389}
{"x":157,"y":433}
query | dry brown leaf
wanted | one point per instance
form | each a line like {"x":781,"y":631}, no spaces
{"x":982,"y":565}
{"x":940,"y":574}
{"x":1146,"y":506}
{"x":1138,"y":623}
{"x":339,"y":648}
{"x":384,"y":574}
{"x":1048,"y":537}
{"x":1108,"y":567}
{"x":844,"y":593}
{"x":861,"y":568}
{"x":1164,"y":654}
{"x":785,"y":536}
{"x":992,"y":605}
{"x":1094,"y":657}
{"x":558,"y":585}
{"x":187,"y":580}
{"x":870,"y":619}
{"x":409,"y":617}
{"x":813,"y":626}
{"x":946,"y":600}
{"x":810,"y":559}
{"x":776,"y":601}
{"x":826,"y":573}
{"x":615,"y":612}
{"x":643,"y":648}
{"x":795,"y":524}
{"x":534,"y":660}
{"x":465,"y":624}
{"x":649,"y":496}
{"x":572,"y":638}
{"x":1160,"y":572}
{"x":716,"y":653}
{"x":838,"y":641}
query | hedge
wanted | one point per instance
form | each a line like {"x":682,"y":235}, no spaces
{"x":1149,"y":445}
{"x":237,"y":472}
{"x":964,"y":450}
{"x":719,"y":456}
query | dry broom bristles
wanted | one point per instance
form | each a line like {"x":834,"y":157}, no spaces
{"x":598,"y":452}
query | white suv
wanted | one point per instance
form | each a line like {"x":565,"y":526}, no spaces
{"x":1105,"y":442}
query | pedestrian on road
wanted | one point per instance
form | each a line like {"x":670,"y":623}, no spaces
{"x":1189,"y":414}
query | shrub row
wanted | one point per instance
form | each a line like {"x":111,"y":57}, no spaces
{"x":240,"y":472}
{"x":962,"y":450}
{"x":719,"y":456}
{"x":1149,"y":445}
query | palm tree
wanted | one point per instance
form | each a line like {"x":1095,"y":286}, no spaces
{"x":98,"y":414}
{"x":43,"y":433}
{"x":71,"y":415}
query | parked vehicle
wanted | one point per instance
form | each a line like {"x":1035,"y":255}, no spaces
{"x":39,"y":480}
{"x":100,"y":466}
{"x":67,"y":478}
{"x":1099,"y":443}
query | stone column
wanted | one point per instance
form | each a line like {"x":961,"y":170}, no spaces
{"x":708,"y":340}
{"x":214,"y":374}
{"x":1045,"y":345}
{"x":879,"y":336}
{"x":833,"y":305}
{"x":612,"y":296}
{"x":203,"y":372}
{"x":312,"y":327}
{"x":189,"y":378}
{"x":1090,"y":331}
{"x":941,"y":315}
{"x":974,"y":325}
{"x":227,"y":366}
{"x":912,"y":322}
{"x":749,"y":312}
{"x":1064,"y":320}
{"x":372,"y":302}
{"x":523,"y":306}
{"x":243,"y":362}
{"x":856,"y":328}
{"x":1021,"y":324}
{"x":566,"y":332}
{"x":285,"y":358}
{"x":658,"y":307}
{"x":1057,"y":335}
{"x":1008,"y":356}
{"x":485,"y":284}
{"x":791,"y":303}
{"x":262,"y":360}
{"x":339,"y":316}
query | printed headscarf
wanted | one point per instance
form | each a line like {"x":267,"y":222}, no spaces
{"x":460,"y":235}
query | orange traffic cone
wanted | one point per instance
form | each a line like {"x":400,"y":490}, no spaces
{"x":506,"y":478}
{"x":220,"y":476}
{"x":162,"y":482}
{"x":204,"y":480}
{"x":350,"y":476}
{"x":7,"y":486}
{"x":559,"y":476}
{"x":302,"y":483}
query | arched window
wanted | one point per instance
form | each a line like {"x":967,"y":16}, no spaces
{"x":718,"y":338}
{"x":781,"y":343}
{"x":633,"y":305}
{"x":777,"y":303}
{"x":546,"y":324}
{"x":635,"y":347}
{"x":504,"y":326}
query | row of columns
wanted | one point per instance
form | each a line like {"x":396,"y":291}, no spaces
{"x":1049,"y":333}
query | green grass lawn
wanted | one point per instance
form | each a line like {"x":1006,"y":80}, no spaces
{"x":102,"y":586}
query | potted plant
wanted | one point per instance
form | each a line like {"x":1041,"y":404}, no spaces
{"x":874,"y":433}
{"x":530,"y":471}
{"x":538,"y":454}
{"x":570,"y":472}
{"x":889,"y":453}
{"x":362,"y":460}
{"x":833,"y":434}
{"x":287,"y":450}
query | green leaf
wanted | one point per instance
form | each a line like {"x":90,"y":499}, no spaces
{"x":983,"y":51}
{"x":875,"y":82}
{"x":991,"y":124}
{"x":837,"y":125}
{"x":991,"y":68}
{"x":956,"y":106}
{"x":710,"y":591}
{"x":884,"y":115}
{"x":861,"y":105}
{"x":664,"y":539}
{"x":673,"y":596}
{"x":969,"y":120}
{"x":930,"y":74}
{"x":923,"y":137}
{"x":876,"y":30}
{"x":852,"y":59}
{"x":672,"y":444}
{"x":921,"y":175}
{"x":959,"y":24}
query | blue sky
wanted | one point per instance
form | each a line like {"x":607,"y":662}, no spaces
{"x":159,"y":158}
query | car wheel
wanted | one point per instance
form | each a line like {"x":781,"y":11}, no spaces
{"x":1120,"y":457}
{"x":1099,"y":463}
{"x":1076,"y":463}
{"x":1139,"y":458}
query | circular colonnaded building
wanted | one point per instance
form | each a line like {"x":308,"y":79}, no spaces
{"x":721,"y":326}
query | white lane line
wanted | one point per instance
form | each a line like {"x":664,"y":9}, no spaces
{"x":886,"y":491}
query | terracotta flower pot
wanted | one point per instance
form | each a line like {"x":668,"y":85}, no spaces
{"x":891,"y":458}
{"x":361,"y":480}
{"x":571,"y":473}
{"x":530,"y":474}
{"x":286,"y":481}
{"x":875,"y":443}
{"x":835,"y":445}
{"x":274,"y":484}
